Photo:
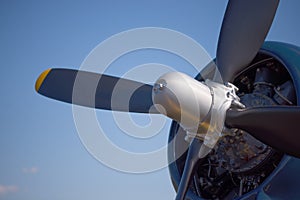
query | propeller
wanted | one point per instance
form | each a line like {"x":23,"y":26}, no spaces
{"x":96,"y":90}
{"x":194,"y":158}
{"x":277,"y":126}
{"x":244,"y":28}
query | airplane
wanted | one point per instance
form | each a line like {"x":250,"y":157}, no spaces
{"x":235,"y":125}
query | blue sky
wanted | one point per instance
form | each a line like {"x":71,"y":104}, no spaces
{"x":41,"y":154}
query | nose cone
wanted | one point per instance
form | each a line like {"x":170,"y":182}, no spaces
{"x":165,"y":100}
{"x":182,"y":98}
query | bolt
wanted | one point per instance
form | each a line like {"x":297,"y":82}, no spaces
{"x":159,"y":86}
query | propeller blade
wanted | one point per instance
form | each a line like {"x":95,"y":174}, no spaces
{"x":244,"y":28}
{"x":95,"y":90}
{"x":197,"y":151}
{"x":276,"y":126}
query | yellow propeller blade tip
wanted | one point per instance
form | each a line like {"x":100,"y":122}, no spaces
{"x":41,"y":79}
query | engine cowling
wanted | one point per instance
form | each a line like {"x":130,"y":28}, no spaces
{"x":254,"y":172}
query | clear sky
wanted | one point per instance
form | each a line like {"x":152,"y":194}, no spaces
{"x":41,"y":154}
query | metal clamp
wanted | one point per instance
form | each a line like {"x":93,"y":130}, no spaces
{"x":224,"y":96}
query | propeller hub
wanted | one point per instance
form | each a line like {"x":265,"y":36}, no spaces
{"x":182,"y":99}
{"x":199,"y":107}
